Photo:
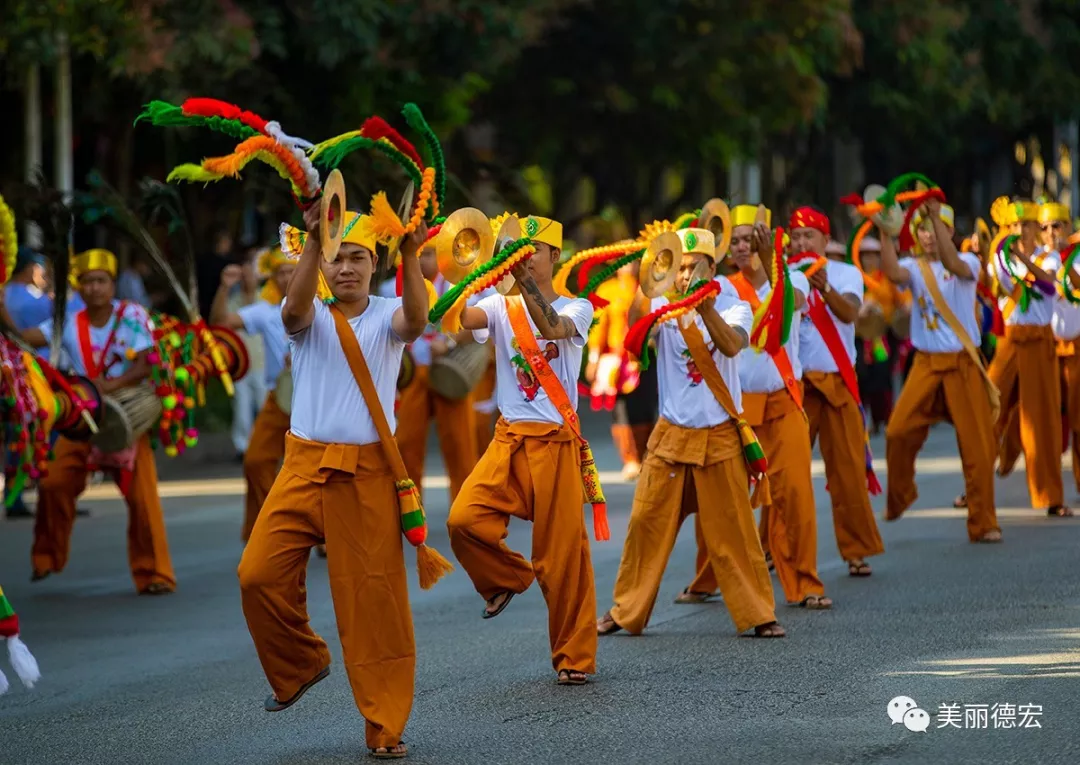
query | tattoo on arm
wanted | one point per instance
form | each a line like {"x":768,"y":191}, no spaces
{"x":561,"y":326}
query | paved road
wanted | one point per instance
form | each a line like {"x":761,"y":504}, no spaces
{"x":176,"y":680}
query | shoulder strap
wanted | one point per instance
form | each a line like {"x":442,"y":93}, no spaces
{"x":819,"y":314}
{"x":545,"y":375}
{"x":780,"y":358}
{"x":351,"y":346}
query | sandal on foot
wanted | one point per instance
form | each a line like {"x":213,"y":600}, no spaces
{"x":991,"y":537}
{"x":320,"y":550}
{"x":273,"y":705}
{"x":770,"y":630}
{"x":389,"y":752}
{"x":960,"y":502}
{"x":858,"y":568}
{"x":506,"y":596}
{"x":687,"y":597}
{"x":572,"y":677}
{"x":1060,"y":511}
{"x":815,"y":603}
{"x":606,"y":625}
{"x":157,"y":588}
{"x":769,"y":561}
{"x":37,"y":576}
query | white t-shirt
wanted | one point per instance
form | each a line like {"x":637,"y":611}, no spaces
{"x":929,"y":332}
{"x":134,"y":330}
{"x":518,"y":393}
{"x":327,"y":405}
{"x":685,"y":398}
{"x":813,"y":353}
{"x":1066,"y":321}
{"x":264,"y":319}
{"x":1040,"y":313}
{"x":757,"y":371}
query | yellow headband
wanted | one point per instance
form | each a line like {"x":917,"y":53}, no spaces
{"x":698,"y":241}
{"x":94,"y":260}
{"x":746,"y":215}
{"x":1053,"y":211}
{"x":543,"y":230}
{"x":1026,"y":211}
{"x":947,"y":215}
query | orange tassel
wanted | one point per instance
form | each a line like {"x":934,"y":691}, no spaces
{"x":431,"y":566}
{"x":600,"y":524}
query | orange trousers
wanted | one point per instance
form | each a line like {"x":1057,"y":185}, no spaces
{"x":341,"y":495}
{"x":484,"y":422}
{"x":702,"y":471}
{"x":1034,"y":400}
{"x":148,"y":544}
{"x":833,"y":413}
{"x":789,"y":524}
{"x":532,"y":471}
{"x":943,"y":387}
{"x":262,"y":460}
{"x":453,"y":422}
{"x":1069,"y":364}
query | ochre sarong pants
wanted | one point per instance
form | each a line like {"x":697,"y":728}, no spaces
{"x":943,"y":387}
{"x":789,"y":524}
{"x":484,"y":421}
{"x":262,"y":460}
{"x":532,"y":471}
{"x":833,"y":413}
{"x":148,"y":545}
{"x":1069,"y":364}
{"x":453,"y":423}
{"x":343,"y":496}
{"x":1025,"y":370}
{"x":703,"y":471}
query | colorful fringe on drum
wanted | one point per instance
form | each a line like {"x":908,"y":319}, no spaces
{"x":430,"y":565}
{"x":9,"y":242}
{"x":29,"y":413}
{"x":772,"y":319}
{"x":637,"y":339}
{"x":22,"y":661}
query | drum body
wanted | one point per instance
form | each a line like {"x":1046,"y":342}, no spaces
{"x":127,"y":414}
{"x":407,"y":370}
{"x":871,"y":324}
{"x":901,"y":322}
{"x":283,"y":389}
{"x":454,"y":375}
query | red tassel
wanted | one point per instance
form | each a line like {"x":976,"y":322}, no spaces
{"x":600,"y":524}
{"x":852,"y":199}
{"x":399,"y":281}
{"x":872,"y":482}
{"x":376,"y":128}
{"x":211,"y":107}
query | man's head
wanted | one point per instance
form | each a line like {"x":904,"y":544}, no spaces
{"x":870,"y":254}
{"x":547,"y":238}
{"x":809,"y":230}
{"x":349,"y":274}
{"x":743,"y":218}
{"x":1056,"y":225}
{"x":699,"y":251}
{"x":95,"y":272}
{"x":924,"y":228}
{"x":30,"y":268}
{"x":1027,"y":213}
{"x":223,"y":243}
{"x":429,"y":265}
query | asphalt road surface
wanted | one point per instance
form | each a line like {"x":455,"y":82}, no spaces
{"x":176,"y":680}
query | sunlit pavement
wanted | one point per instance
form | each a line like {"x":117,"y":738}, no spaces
{"x":984,"y":638}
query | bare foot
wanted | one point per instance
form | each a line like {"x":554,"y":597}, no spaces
{"x":495,"y":606}
{"x":993,"y":535}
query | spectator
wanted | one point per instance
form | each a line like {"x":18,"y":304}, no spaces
{"x":250,"y":392}
{"x":25,"y":294}
{"x":131,"y":285}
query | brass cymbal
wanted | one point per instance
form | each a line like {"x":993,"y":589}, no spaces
{"x":332,"y":215}
{"x":509,"y":232}
{"x":660,"y":264}
{"x":465,"y":242}
{"x":404,"y":212}
{"x":716,"y":217}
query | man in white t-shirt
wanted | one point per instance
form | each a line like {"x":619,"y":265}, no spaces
{"x":1025,"y":365}
{"x":262,"y":318}
{"x":772,"y":405}
{"x":831,"y":391}
{"x":338,"y":487}
{"x":532,"y":468}
{"x":1057,"y":227}
{"x":945,"y":382}
{"x":695,"y":461}
{"x":107,"y":341}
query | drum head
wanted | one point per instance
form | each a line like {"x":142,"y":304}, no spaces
{"x":114,"y":429}
{"x":283,"y":391}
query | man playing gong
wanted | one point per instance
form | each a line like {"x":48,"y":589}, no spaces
{"x":108,"y":341}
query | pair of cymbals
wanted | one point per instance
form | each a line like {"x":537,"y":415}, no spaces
{"x":332,"y":216}
{"x":467,"y":242}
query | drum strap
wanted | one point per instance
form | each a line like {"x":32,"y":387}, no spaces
{"x":590,"y":476}
{"x":95,"y":367}
{"x":780,"y":358}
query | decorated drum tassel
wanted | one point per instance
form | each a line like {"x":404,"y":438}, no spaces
{"x":594,"y":493}
{"x":430,"y":565}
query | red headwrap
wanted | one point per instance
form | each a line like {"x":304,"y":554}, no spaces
{"x":807,"y":217}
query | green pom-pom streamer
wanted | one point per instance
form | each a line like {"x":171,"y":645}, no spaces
{"x":416,"y":121}
{"x":442,"y":305}
{"x":164,"y":114}
{"x":899,"y":184}
{"x":332,"y":156}
{"x":609,"y":271}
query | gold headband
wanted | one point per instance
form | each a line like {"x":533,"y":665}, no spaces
{"x":94,"y":260}
{"x":746,"y":215}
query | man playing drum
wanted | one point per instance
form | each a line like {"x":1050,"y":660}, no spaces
{"x":107,"y":341}
{"x":266,"y":446}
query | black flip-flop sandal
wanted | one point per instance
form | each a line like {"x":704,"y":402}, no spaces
{"x":766,"y":635}
{"x":506,"y":601}
{"x":805,"y":603}
{"x":960,"y":502}
{"x":688,"y":597}
{"x":856,"y":569}
{"x":566,"y":677}
{"x":1060,"y":511}
{"x":273,"y":705}
{"x":610,"y":630}
{"x":388,"y":753}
